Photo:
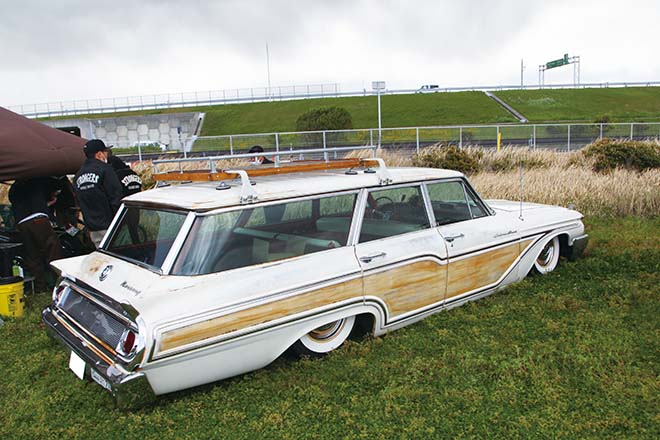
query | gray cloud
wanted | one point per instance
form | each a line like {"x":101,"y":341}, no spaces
{"x":73,"y":48}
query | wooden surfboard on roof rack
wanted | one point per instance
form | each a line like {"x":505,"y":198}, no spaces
{"x":264,"y":170}
{"x":212,"y":173}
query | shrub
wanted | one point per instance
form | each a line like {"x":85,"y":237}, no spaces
{"x":449,"y":157}
{"x":603,"y":119}
{"x":326,"y":118}
{"x":607,"y":154}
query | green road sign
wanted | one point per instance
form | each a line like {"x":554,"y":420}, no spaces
{"x":557,"y":63}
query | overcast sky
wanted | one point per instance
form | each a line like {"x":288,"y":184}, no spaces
{"x":71,"y":49}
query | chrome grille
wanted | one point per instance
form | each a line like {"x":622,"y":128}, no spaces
{"x":92,"y":317}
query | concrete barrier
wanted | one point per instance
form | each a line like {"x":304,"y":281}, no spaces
{"x":172,"y":130}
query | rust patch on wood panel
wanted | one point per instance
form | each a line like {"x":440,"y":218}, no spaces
{"x":481,"y":270}
{"x":408,"y":288}
{"x":260,"y":314}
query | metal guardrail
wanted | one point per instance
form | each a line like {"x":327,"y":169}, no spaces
{"x":175,"y":100}
{"x":566,"y":137}
{"x":261,"y":94}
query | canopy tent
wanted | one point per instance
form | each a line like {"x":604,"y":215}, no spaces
{"x":31,"y":149}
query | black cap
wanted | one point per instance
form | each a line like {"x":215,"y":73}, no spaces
{"x":93,"y":146}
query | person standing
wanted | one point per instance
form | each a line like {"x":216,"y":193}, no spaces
{"x":98,"y":190}
{"x":129,"y":179}
{"x":31,"y":200}
{"x":259,"y":160}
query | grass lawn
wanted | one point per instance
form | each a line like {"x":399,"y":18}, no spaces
{"x":571,"y":355}
{"x":617,"y":104}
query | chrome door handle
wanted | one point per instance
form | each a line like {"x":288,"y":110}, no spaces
{"x":451,"y":238}
{"x":368,"y":258}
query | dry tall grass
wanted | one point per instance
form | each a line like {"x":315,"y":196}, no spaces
{"x":549,"y":177}
{"x":619,"y":193}
{"x":557,"y":179}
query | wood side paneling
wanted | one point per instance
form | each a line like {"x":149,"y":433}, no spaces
{"x":260,"y":314}
{"x":409,"y":287}
{"x":481,"y":270}
{"x":403,"y":289}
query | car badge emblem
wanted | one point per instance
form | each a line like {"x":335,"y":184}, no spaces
{"x":106,"y":271}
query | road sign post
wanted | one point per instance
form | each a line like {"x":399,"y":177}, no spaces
{"x":378,"y":86}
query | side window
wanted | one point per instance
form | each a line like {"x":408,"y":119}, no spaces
{"x":392,"y":212}
{"x":475,"y":207}
{"x":282,"y":213}
{"x":450,"y":204}
{"x":265,"y":233}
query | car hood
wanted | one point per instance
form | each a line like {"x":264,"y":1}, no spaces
{"x":511,"y":206}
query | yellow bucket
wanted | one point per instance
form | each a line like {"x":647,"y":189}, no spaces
{"x":11,"y":297}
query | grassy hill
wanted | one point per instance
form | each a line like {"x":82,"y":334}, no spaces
{"x":460,"y":108}
{"x":615,"y":105}
{"x":397,"y":111}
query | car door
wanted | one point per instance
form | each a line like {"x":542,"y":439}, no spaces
{"x":482,"y":248}
{"x":402,"y":258}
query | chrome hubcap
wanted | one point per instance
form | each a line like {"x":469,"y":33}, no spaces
{"x":546,"y":254}
{"x":327,"y":331}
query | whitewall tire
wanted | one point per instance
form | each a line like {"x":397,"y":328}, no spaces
{"x":547,"y":259}
{"x":325,"y":338}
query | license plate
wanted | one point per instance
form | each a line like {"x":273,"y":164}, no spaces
{"x":77,"y":365}
{"x":96,"y":377}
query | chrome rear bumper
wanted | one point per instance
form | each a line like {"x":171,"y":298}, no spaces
{"x":130,"y":389}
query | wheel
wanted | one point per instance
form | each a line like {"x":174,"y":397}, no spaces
{"x":325,"y":338}
{"x":548,"y":258}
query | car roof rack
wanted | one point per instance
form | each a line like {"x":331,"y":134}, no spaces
{"x":280,"y":166}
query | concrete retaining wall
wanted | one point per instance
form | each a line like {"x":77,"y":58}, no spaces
{"x":173,"y":130}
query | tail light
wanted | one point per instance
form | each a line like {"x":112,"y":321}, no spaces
{"x":58,"y":291}
{"x":127,"y":343}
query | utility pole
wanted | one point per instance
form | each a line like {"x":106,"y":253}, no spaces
{"x":522,"y":68}
{"x":268,"y":69}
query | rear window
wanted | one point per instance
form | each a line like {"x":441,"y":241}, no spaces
{"x":145,"y":235}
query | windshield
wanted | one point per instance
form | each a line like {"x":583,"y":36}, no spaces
{"x":145,"y":235}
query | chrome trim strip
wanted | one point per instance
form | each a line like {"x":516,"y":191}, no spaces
{"x":429,"y":205}
{"x":113,"y":223}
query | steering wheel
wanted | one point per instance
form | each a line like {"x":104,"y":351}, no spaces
{"x":378,"y":214}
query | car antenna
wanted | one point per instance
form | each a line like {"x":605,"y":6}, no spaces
{"x":520,"y":168}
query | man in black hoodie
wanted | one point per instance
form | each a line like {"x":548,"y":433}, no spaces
{"x":98,"y":190}
{"x":129,"y":180}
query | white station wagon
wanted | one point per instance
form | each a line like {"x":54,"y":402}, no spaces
{"x":197,"y":282}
